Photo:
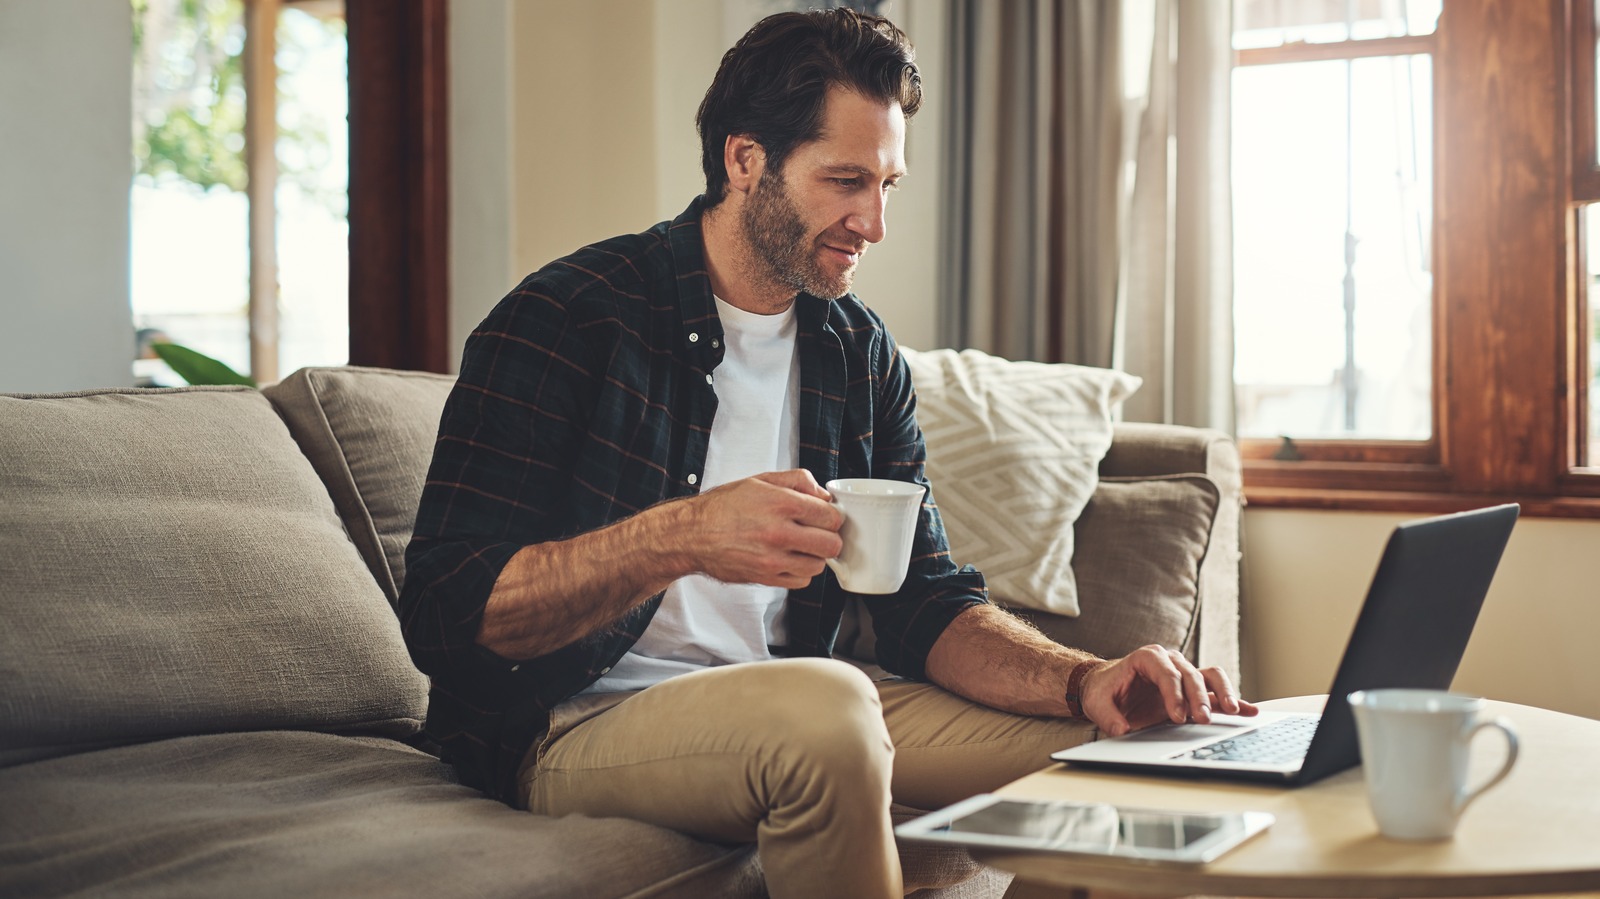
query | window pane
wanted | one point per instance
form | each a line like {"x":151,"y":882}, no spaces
{"x":1273,"y":23}
{"x":190,"y":248}
{"x":313,"y":190}
{"x":1592,"y":413}
{"x":189,"y":264}
{"x":1327,"y":154}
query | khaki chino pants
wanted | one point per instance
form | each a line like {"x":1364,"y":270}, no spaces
{"x":800,"y":756}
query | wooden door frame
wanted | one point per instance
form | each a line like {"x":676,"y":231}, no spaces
{"x":399,"y":184}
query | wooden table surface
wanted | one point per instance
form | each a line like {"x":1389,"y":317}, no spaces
{"x":1537,"y":832}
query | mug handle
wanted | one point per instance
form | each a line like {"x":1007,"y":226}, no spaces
{"x":1464,"y":798}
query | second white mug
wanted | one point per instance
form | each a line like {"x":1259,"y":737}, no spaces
{"x":1415,"y":746}
{"x":880,"y":522}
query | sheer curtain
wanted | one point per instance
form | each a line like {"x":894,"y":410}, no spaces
{"x":1087,"y":179}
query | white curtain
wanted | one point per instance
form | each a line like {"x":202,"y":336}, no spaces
{"x":1088,"y":216}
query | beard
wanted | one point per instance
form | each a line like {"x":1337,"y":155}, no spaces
{"x":781,"y":249}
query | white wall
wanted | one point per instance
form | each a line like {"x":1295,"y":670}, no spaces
{"x":482,"y":177}
{"x":1306,"y":573}
{"x":688,"y":46}
{"x":66,"y":162}
{"x":584,"y":113}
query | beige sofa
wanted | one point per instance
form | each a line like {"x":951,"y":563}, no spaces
{"x":206,"y":693}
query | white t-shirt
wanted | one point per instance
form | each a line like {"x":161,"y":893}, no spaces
{"x":703,"y":622}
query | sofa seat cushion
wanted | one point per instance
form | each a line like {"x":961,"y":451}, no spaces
{"x":280,"y":813}
{"x":170,"y":564}
{"x":369,"y":433}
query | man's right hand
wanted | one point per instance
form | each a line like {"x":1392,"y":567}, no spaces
{"x":776,"y":529}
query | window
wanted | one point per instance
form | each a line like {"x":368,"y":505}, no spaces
{"x":240,"y":190}
{"x":1414,"y":331}
{"x":1586,"y":192}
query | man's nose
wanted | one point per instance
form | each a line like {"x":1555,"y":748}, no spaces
{"x":867,"y":220}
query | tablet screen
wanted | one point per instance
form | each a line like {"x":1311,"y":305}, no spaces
{"x":1088,"y":828}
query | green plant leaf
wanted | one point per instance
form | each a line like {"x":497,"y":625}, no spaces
{"x":198,"y":368}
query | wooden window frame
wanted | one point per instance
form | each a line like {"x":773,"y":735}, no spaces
{"x":1510,"y":176}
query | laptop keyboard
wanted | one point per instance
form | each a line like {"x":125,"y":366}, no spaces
{"x":1281,"y":741}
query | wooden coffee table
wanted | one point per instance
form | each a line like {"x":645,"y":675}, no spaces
{"x":1537,"y":832}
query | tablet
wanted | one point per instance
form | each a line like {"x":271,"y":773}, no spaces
{"x":1087,"y":828}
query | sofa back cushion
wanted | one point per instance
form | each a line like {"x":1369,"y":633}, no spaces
{"x":170,"y":564}
{"x":1141,"y":542}
{"x":369,"y":432}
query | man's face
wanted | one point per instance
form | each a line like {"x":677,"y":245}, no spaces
{"x":809,"y":223}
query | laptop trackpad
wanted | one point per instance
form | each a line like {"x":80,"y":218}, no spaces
{"x":1183,"y":733}
{"x":1163,"y":741}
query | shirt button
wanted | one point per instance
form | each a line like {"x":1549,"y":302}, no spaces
{"x":694,"y":337}
{"x":606,"y":670}
{"x":694,"y":479}
{"x":708,"y":379}
{"x":715,"y":343}
{"x":516,"y":667}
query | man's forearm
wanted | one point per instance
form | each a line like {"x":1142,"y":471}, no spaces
{"x":552,"y":594}
{"x":990,"y":656}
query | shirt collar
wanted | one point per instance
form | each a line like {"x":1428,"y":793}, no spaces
{"x":695,"y":306}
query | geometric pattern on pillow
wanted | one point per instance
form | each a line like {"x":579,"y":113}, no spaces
{"x":1013,"y":455}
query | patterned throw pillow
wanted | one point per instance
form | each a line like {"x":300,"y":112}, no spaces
{"x":1014,"y":450}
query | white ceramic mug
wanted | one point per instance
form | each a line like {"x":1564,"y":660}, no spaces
{"x":880,"y":521}
{"x":1415,"y":747}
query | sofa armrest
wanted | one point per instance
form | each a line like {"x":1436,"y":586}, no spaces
{"x":1141,"y":450}
{"x":1153,"y":450}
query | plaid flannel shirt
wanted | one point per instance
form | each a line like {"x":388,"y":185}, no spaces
{"x":588,"y":395}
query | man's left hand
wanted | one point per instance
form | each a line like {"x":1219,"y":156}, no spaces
{"x":1152,"y":685}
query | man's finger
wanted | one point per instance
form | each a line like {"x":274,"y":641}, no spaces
{"x":798,"y":480}
{"x":1218,"y":683}
{"x":1112,"y":723}
{"x":815,"y":543}
{"x":813,"y":512}
{"x":1196,"y":696}
{"x":1156,"y":667}
{"x":1239,"y":706}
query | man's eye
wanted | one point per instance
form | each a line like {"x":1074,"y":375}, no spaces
{"x":847,"y":182}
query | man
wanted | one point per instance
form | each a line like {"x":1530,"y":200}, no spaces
{"x":617,"y":580}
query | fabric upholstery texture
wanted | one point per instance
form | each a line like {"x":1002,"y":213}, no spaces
{"x":170,"y":564}
{"x":278,"y":814}
{"x":1013,"y":455}
{"x":1142,"y":450}
{"x":1140,"y":546}
{"x":369,"y":433}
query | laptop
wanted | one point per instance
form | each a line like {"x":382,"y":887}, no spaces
{"x":1412,"y":631}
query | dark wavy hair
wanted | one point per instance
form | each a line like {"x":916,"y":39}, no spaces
{"x":773,"y":83}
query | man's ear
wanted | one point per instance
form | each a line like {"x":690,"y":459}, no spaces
{"x":744,"y":159}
